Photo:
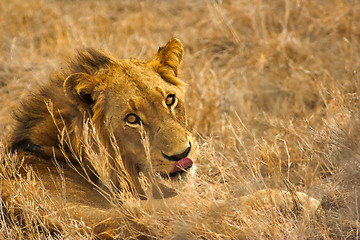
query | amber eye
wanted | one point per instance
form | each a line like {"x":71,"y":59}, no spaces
{"x":132,"y":118}
{"x":170,"y":100}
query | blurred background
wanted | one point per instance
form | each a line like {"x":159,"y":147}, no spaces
{"x":273,"y":90}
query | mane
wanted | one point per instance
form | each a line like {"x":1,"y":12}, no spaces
{"x":88,"y":61}
{"x":35,"y":126}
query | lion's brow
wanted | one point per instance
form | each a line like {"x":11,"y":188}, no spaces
{"x":160,"y":90}
{"x":132,"y":104}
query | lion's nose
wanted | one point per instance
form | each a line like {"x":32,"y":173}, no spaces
{"x":177,"y":157}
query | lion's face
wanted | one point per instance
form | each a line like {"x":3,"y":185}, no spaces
{"x":137,"y":100}
{"x":142,"y":100}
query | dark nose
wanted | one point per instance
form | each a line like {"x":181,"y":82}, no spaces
{"x":178,"y":157}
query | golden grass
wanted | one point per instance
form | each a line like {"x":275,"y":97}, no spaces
{"x":273,"y":95}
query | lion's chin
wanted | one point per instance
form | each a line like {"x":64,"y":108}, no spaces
{"x":180,"y":169}
{"x":180,"y":174}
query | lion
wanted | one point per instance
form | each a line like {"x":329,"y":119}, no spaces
{"x":136,"y":106}
{"x":124,"y":94}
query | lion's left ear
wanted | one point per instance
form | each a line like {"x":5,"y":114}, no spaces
{"x":80,"y":88}
{"x":167,"y":61}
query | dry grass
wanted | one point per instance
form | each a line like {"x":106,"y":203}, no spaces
{"x":273,"y":97}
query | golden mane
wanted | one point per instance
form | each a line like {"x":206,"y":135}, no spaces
{"x":34,"y":109}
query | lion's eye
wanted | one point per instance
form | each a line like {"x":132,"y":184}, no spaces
{"x":170,"y":100}
{"x":132,"y":118}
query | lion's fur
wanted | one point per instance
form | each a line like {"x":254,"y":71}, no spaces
{"x":99,"y":90}
{"x":33,"y":118}
{"x":35,"y":125}
{"x":79,"y":93}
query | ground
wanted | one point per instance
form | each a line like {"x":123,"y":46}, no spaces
{"x":273,"y":93}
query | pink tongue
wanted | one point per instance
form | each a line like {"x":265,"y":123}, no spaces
{"x":181,"y":165}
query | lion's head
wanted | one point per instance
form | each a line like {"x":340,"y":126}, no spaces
{"x":129,"y":97}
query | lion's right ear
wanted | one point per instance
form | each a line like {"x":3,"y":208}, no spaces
{"x":80,"y":88}
{"x":167,"y":61}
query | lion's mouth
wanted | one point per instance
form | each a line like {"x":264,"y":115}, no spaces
{"x":180,"y":168}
